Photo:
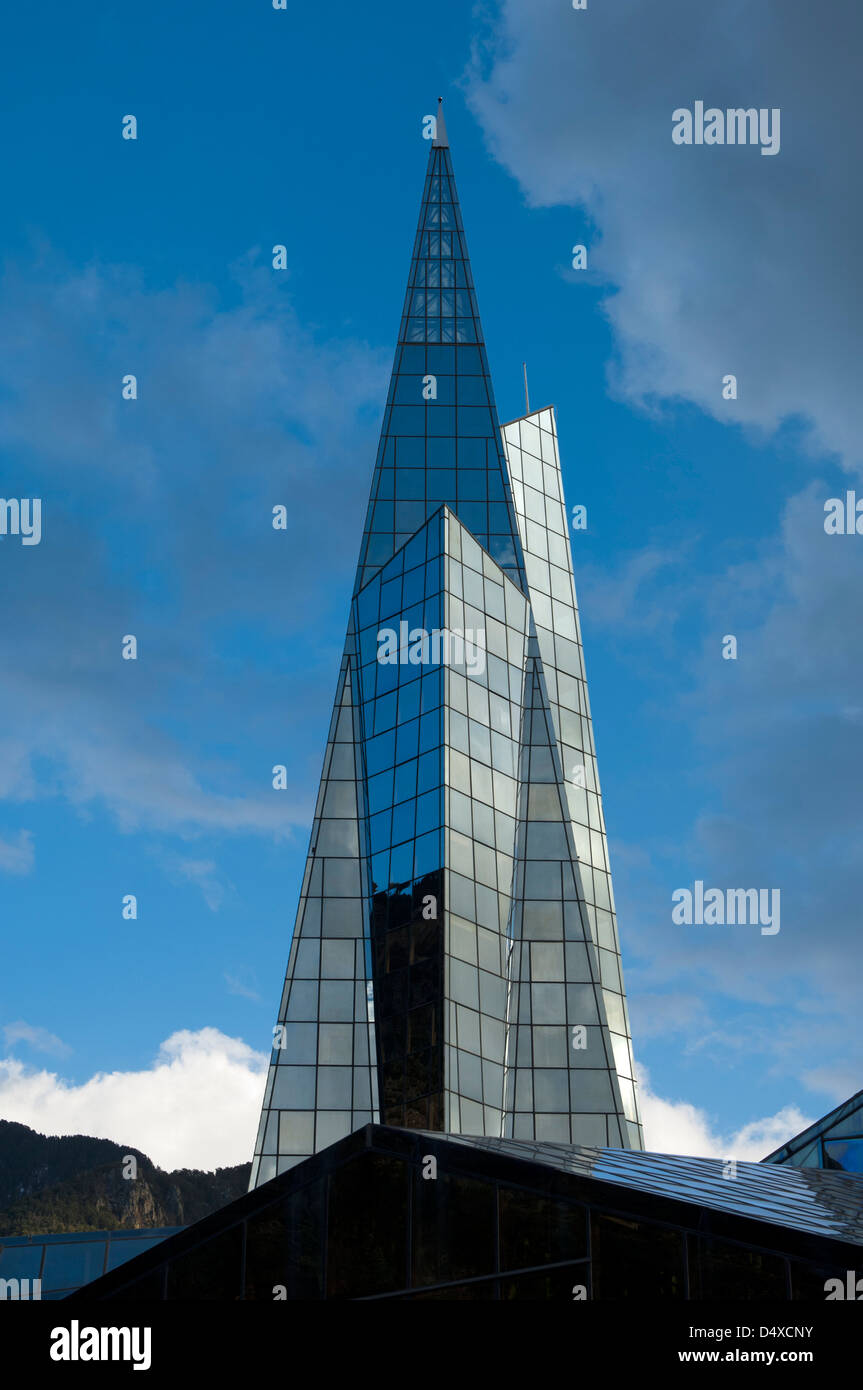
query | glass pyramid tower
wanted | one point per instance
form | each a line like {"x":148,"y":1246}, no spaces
{"x":455,"y":963}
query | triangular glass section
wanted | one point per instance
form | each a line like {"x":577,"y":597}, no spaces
{"x":440,"y":439}
{"x":535,"y":476}
{"x":562,"y":1082}
{"x":322,"y":1082}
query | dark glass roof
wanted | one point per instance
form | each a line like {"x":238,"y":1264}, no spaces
{"x":805,"y":1199}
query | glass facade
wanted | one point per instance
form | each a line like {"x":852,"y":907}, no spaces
{"x":403,"y":1214}
{"x":455,"y":963}
{"x":63,"y":1263}
{"x":835,"y":1141}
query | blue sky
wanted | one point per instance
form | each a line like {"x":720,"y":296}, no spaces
{"x":256,"y":387}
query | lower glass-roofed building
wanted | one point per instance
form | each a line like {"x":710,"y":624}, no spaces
{"x":835,"y":1141}
{"x":50,"y":1267}
{"x":407,"y":1214}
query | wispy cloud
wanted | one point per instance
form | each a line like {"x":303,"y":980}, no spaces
{"x":157,"y":525}
{"x":242,"y":982}
{"x":203,"y":873}
{"x":17,"y":856}
{"x":38,"y":1038}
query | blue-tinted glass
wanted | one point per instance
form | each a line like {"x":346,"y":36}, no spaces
{"x":498,"y":518}
{"x":385,"y":712}
{"x":846,"y":1154}
{"x":472,"y":391}
{"x":407,"y":740}
{"x":429,"y":771}
{"x":434,"y":579}
{"x":409,"y":701}
{"x":441,"y":484}
{"x":441,"y":361}
{"x":502,"y":550}
{"x":474,"y":515}
{"x":408,"y":390}
{"x":427,"y":854}
{"x":367,"y":603}
{"x":430,"y":731}
{"x":119,"y":1251}
{"x":380,"y":752}
{"x":413,"y":360}
{"x":428,"y":812}
{"x":381,"y":676}
{"x":379,"y":830}
{"x":67,"y":1266}
{"x":472,"y":484}
{"x":410,"y":515}
{"x":408,"y":419}
{"x":445,"y":386}
{"x":369,"y":644}
{"x":386,"y":484}
{"x":471,"y":453}
{"x":441,"y":420}
{"x":402,"y":863}
{"x":410,"y":453}
{"x":415,"y":551}
{"x":470,"y":361}
{"x":441,"y":453}
{"x":405,"y":781}
{"x":380,"y":869}
{"x":391,"y":597}
{"x":378,"y":550}
{"x":431,"y":691}
{"x":412,"y":616}
{"x":475,"y":420}
{"x":410,"y":482}
{"x":403,"y":821}
{"x":414,"y":586}
{"x":20,"y":1261}
{"x":382,"y":518}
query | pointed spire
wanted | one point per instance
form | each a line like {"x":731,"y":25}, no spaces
{"x":440,"y":141}
{"x":440,"y":438}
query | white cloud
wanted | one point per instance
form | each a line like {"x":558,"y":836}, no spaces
{"x":17,"y":856}
{"x":721,"y":260}
{"x":678,"y":1127}
{"x":199,"y":1103}
{"x":197,"y":1106}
